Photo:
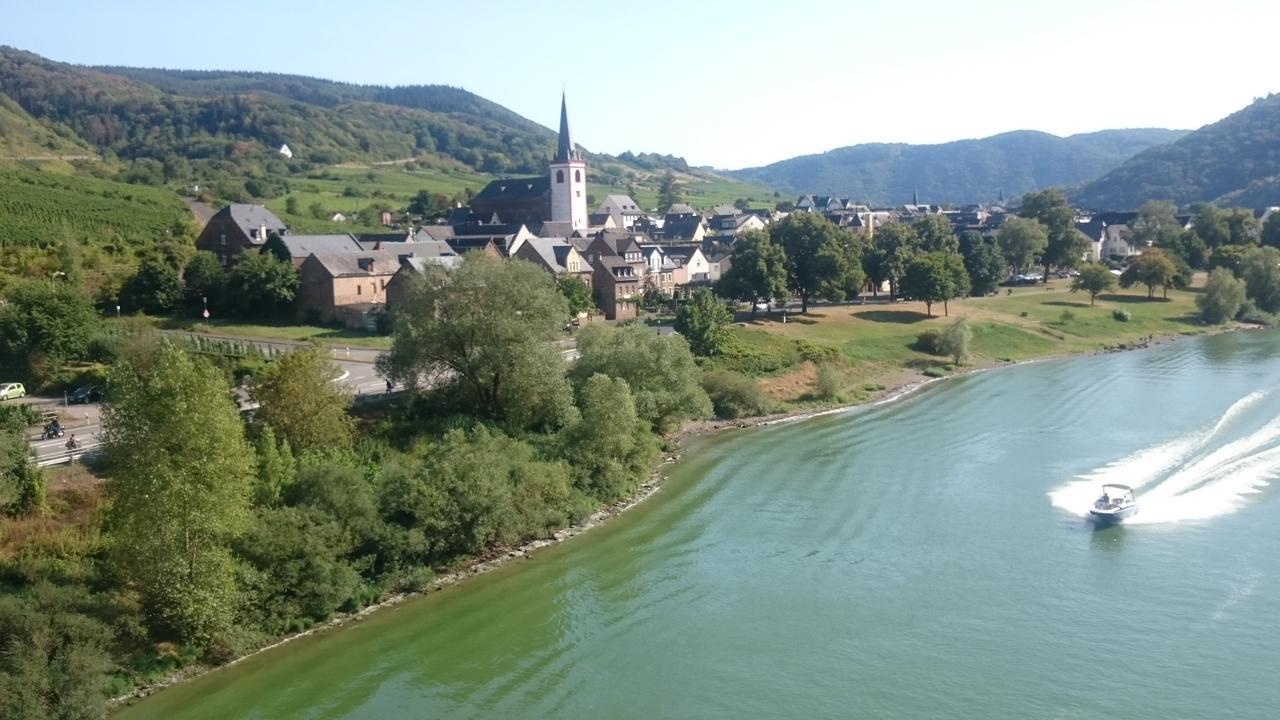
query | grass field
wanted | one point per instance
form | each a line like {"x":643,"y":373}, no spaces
{"x":875,"y":344}
{"x":332,"y":336}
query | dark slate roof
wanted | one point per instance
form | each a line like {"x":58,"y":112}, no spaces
{"x":679,"y":209}
{"x":300,"y":246}
{"x":681,"y":229}
{"x":433,"y":232}
{"x":370,"y":239}
{"x":348,"y":263}
{"x":550,"y":228}
{"x":515,"y":189}
{"x":565,"y":149}
{"x":251,"y":218}
{"x":597,"y":219}
{"x":420,"y":264}
{"x":681,"y":253}
{"x":619,"y":268}
{"x":462,"y":215}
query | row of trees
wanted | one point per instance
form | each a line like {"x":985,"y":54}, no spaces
{"x":259,"y":285}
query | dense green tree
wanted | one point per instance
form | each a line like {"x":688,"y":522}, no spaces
{"x":704,"y":321}
{"x":935,"y":277}
{"x":891,"y":248}
{"x":735,"y":395}
{"x":482,"y":329}
{"x":421,"y":204}
{"x":1065,"y":246}
{"x":576,"y":293}
{"x":1224,"y":294}
{"x":1230,"y":257}
{"x":815,"y":252}
{"x":1023,"y":241}
{"x":1094,"y":278}
{"x":668,"y":192}
{"x":202,"y":281}
{"x":1243,"y":227}
{"x":660,"y":371}
{"x":179,"y":497}
{"x":1154,"y":269}
{"x":1187,"y":246}
{"x":1270,"y":233}
{"x":22,"y":485}
{"x":155,"y":288}
{"x":1260,"y":269}
{"x":984,"y":262}
{"x":1210,"y":225}
{"x":291,"y":205}
{"x":261,"y":285}
{"x":300,"y":400}
{"x":277,"y":468}
{"x":758,"y":270}
{"x":473,"y":491}
{"x":44,"y":326}
{"x":1156,"y":222}
{"x":935,"y":233}
{"x":54,"y":663}
{"x":610,"y":448}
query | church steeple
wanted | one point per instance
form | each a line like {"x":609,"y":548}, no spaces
{"x":566,"y":150}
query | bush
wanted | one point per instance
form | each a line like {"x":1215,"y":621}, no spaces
{"x":935,"y":372}
{"x":17,"y":418}
{"x":1066,"y":317}
{"x":930,"y":341}
{"x":828,"y":383}
{"x":956,"y":339}
{"x":1250,"y":313}
{"x":1223,"y":297}
{"x":816,"y":353}
{"x":734,"y":395}
{"x":1121,"y":315}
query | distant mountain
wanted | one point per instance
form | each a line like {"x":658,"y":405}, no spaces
{"x":963,"y":171}
{"x":222,"y":130}
{"x":1235,"y":161}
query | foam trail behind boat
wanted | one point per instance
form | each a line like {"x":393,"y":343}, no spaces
{"x":1188,"y":477}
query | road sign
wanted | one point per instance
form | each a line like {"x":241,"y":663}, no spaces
{"x":206,"y":313}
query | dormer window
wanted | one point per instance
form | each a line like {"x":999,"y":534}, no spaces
{"x":365,"y":264}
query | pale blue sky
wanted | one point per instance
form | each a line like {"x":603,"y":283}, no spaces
{"x":728,"y":83}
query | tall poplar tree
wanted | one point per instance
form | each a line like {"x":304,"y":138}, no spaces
{"x":180,"y":473}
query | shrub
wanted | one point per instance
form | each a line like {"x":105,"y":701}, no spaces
{"x":935,"y":372}
{"x":930,"y":341}
{"x":1066,"y":317}
{"x":734,"y":395}
{"x":956,"y":340}
{"x":1250,"y":313}
{"x":1223,"y":297}
{"x":1121,"y":315}
{"x":828,"y":383}
{"x":816,"y":353}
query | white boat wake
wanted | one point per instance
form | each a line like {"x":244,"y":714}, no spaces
{"x":1193,"y":477}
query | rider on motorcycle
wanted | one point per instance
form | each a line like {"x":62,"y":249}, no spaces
{"x":53,"y":428}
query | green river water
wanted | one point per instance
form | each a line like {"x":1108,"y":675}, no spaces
{"x":925,"y":558}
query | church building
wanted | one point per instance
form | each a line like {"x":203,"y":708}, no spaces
{"x":560,"y":197}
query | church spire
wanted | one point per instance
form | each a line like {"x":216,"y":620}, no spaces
{"x":565,"y":151}
{"x":915,"y":197}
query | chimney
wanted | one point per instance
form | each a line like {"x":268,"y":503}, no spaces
{"x":262,"y":232}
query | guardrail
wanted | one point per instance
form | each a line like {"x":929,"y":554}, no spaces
{"x":67,"y":456}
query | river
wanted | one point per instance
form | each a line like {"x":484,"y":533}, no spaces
{"x":925,"y":558}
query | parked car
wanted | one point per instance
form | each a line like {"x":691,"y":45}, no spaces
{"x":12,"y":391}
{"x":84,"y":394}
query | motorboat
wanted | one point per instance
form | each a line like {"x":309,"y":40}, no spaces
{"x":1116,"y":503}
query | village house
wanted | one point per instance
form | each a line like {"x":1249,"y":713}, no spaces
{"x":683,"y":227}
{"x":617,"y":287}
{"x":692,"y":265}
{"x":1108,"y":235}
{"x":659,"y":273}
{"x":622,"y":209}
{"x":236,"y":228}
{"x":347,"y":288}
{"x":414,"y":266}
{"x":557,"y":256}
{"x":295,"y":248}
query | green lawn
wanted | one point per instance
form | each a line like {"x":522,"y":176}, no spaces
{"x":876,"y":343}
{"x":332,"y":336}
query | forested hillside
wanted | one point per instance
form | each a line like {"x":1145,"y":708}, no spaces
{"x":222,"y":130}
{"x":958,"y":172}
{"x":1233,"y":162}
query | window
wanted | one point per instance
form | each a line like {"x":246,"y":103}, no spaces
{"x":222,"y":239}
{"x":577,"y":176}
{"x":559,"y":176}
{"x":359,"y":288}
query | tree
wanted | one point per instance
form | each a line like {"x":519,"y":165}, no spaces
{"x":1223,"y":296}
{"x":742,"y":203}
{"x":1022,"y":241}
{"x":935,"y":233}
{"x":44,"y":326}
{"x":1270,"y":234}
{"x":316,"y":210}
{"x":659,"y":370}
{"x":935,"y":277}
{"x":1156,"y":222}
{"x":179,"y":497}
{"x":202,"y":281}
{"x":610,"y":448}
{"x":156,"y":288}
{"x":815,"y":255}
{"x":291,"y":205}
{"x":261,"y":285}
{"x":668,"y":192}
{"x":956,"y":340}
{"x":1243,"y":227}
{"x":22,"y":486}
{"x":983,"y":261}
{"x":576,"y":293}
{"x":1065,"y":246}
{"x":1210,"y":225}
{"x":421,"y":204}
{"x":277,"y":468}
{"x":1094,"y":278}
{"x":1152,"y":268}
{"x":892,"y":247}
{"x":483,"y":329}
{"x":299,"y":399}
{"x":758,"y":270}
{"x":1185,"y":245}
{"x":1230,"y":257}
{"x":704,"y":321}
{"x":1260,"y":269}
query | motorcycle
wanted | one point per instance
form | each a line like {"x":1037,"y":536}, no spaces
{"x":52,"y":432}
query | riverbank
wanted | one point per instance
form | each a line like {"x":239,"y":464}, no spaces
{"x":907,"y":384}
